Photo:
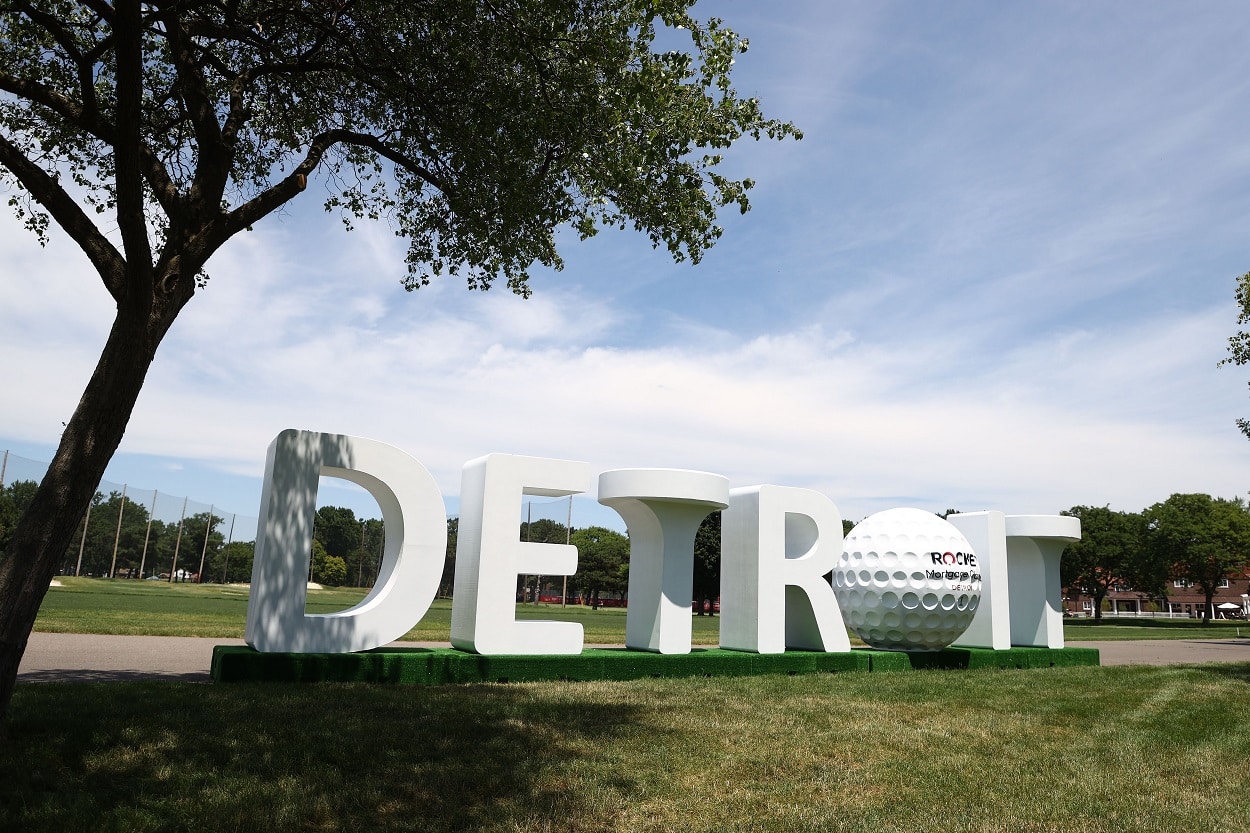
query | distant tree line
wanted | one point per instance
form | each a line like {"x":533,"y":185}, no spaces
{"x":1190,"y":537}
{"x":118,"y":537}
{"x":602,"y":563}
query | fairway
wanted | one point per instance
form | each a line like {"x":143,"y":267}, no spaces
{"x":158,"y":608}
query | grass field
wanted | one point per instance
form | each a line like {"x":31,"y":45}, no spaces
{"x":1081,"y":630}
{"x":1100,"y":750}
{"x":158,"y":608}
{"x":84,"y":605}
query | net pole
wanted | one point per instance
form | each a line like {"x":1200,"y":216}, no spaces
{"x":143,"y":561}
{"x":208,"y":530}
{"x":82,"y":542}
{"x":173,"y":568}
{"x":117,"y":537}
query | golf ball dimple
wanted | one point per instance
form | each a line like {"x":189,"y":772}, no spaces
{"x":907,"y":581}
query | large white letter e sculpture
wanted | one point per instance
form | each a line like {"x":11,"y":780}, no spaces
{"x":490,"y":555}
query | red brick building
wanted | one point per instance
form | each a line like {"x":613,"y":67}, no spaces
{"x":1231,"y":601}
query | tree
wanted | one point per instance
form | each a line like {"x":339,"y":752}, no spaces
{"x":165,"y":539}
{"x":541,"y":531}
{"x":1205,"y":539}
{"x":153,"y":132}
{"x":447,"y":581}
{"x":1112,"y":550}
{"x":602,"y":562}
{"x":544,"y":531}
{"x":106,"y":548}
{"x":369,"y":555}
{"x":707,"y":560}
{"x":1239,"y":342}
{"x":316,"y":558}
{"x":232,"y":564}
{"x":338,"y":531}
{"x":202,"y":540}
{"x":14,"y":499}
{"x":329,"y":570}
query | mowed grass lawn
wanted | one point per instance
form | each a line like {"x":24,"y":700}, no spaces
{"x":158,"y":608}
{"x":1100,"y":750}
{"x":120,"y":606}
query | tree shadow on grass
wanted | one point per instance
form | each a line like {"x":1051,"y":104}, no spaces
{"x":93,"y":675}
{"x":163,"y":756}
{"x":1233,"y":670}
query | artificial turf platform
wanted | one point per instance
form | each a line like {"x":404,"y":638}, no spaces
{"x":438,"y":666}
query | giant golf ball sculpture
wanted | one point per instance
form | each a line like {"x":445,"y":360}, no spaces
{"x":907,"y":581}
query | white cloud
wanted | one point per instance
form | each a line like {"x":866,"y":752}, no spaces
{"x":996,"y":274}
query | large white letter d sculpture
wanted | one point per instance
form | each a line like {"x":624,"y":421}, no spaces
{"x":412,"y":562}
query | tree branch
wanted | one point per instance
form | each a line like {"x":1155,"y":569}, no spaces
{"x":91,"y":122}
{"x":55,"y":27}
{"x":107,"y":261}
{"x":373,"y":143}
{"x":285,"y":190}
{"x":131,"y":218}
{"x":238,"y":115}
{"x":103,"y":9}
{"x":213,"y":168}
{"x":302,"y":63}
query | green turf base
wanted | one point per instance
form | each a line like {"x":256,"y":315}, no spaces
{"x":436,"y":666}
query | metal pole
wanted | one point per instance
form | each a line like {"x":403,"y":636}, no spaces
{"x":144,"y":560}
{"x":83,"y":541}
{"x":199,"y":577}
{"x":568,"y":539}
{"x":118,"y":535}
{"x":381,"y":553}
{"x":529,"y":526}
{"x":178,"y":543}
{"x":225,"y":570}
{"x":4,"y":467}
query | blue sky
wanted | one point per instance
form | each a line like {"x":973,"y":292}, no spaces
{"x":997,"y":273}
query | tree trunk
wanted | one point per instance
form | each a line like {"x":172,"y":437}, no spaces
{"x":1098,"y":607}
{"x":91,"y":437}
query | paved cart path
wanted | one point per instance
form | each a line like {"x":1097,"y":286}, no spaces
{"x":1170,"y":651}
{"x":91,"y":657}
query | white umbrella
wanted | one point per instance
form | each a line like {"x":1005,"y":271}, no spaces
{"x":1229,"y":606}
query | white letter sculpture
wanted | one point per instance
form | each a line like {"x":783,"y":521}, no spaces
{"x":662,"y":509}
{"x":1035,"y":544}
{"x":991,"y":626}
{"x":1021,"y":596}
{"x":412,"y":562}
{"x":490,"y":555}
{"x":777,"y":545}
